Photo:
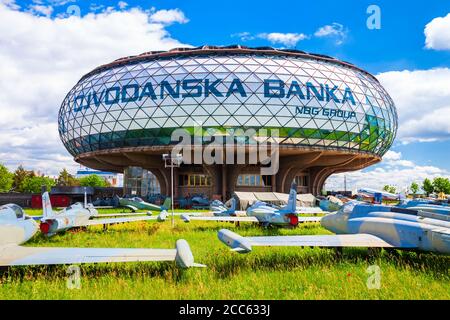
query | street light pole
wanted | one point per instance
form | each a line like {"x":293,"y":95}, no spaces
{"x":172,"y":162}
{"x":171,"y":195}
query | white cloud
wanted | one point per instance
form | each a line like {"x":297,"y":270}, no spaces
{"x":122,"y":4}
{"x":392,"y":171}
{"x":287,"y":39}
{"x":437,"y":33}
{"x":168,"y":16}
{"x":43,"y":10}
{"x":243,"y":36}
{"x":42,"y":58}
{"x":392,"y":156}
{"x":335,"y":30}
{"x":422,"y":98}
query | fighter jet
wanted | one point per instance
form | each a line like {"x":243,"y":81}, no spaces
{"x":137,"y":203}
{"x":218,"y":208}
{"x":358,"y":224}
{"x":79,"y":215}
{"x":427,"y":206}
{"x":17,"y":228}
{"x":266,"y":214}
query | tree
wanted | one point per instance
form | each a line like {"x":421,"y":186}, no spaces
{"x":19,"y":176}
{"x":390,"y":189}
{"x":93,"y":180}
{"x":414,"y":187}
{"x":33,"y":184}
{"x":6,"y":179}
{"x":66,"y":179}
{"x":427,"y":186}
{"x":441,"y":184}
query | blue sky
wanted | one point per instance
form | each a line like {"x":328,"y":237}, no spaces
{"x":410,"y":54}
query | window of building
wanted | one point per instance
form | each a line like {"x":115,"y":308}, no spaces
{"x":254,"y":180}
{"x":194,"y":180}
{"x":138,"y":181}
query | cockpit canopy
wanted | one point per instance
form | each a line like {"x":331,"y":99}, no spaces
{"x":15,"y":208}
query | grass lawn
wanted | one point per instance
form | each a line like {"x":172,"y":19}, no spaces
{"x":265,"y":273}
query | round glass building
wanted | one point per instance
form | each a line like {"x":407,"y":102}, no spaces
{"x":325,"y":116}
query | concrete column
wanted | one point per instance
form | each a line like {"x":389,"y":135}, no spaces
{"x":224,"y":182}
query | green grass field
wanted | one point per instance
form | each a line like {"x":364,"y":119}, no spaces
{"x":265,"y":273}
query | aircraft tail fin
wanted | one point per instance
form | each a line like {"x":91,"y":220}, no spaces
{"x":292,"y":201}
{"x":167,"y":204}
{"x":46,"y":205}
{"x":233,"y":204}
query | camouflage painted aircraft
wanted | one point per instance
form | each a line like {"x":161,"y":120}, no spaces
{"x":137,"y":203}
{"x":218,"y":208}
{"x":358,"y":224}
{"x":17,"y":228}
{"x":266,"y":214}
{"x":79,"y":215}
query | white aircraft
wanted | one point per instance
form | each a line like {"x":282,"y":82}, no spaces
{"x":266,"y":214}
{"x":17,"y":228}
{"x":358,"y":224}
{"x":386,"y":195}
{"x":79,"y":215}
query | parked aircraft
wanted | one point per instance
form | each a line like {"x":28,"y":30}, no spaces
{"x":79,"y":215}
{"x":218,"y":208}
{"x":386,"y":195}
{"x":266,"y":214}
{"x":137,"y":203}
{"x":16,"y":228}
{"x":358,"y":224}
{"x":331,"y":204}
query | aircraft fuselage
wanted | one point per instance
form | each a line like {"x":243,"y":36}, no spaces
{"x":16,"y":232}
{"x":398,"y":229}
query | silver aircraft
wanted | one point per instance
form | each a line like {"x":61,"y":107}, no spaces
{"x":424,"y":205}
{"x":218,"y":208}
{"x":266,"y":214}
{"x":368,"y":192}
{"x":83,"y":215}
{"x":358,"y":224}
{"x":16,"y":228}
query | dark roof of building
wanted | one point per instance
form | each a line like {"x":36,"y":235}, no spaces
{"x":232,"y":49}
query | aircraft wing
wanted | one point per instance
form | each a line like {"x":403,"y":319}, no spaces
{"x":244,"y":244}
{"x":224,"y":218}
{"x":188,"y":213}
{"x":129,"y":206}
{"x":107,"y":215}
{"x":309,"y":219}
{"x":21,"y":256}
{"x":94,"y":222}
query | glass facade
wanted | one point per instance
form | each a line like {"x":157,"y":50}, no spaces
{"x":138,"y":181}
{"x":311,"y":102}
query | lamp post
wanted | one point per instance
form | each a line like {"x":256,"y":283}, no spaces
{"x":172,"y":161}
